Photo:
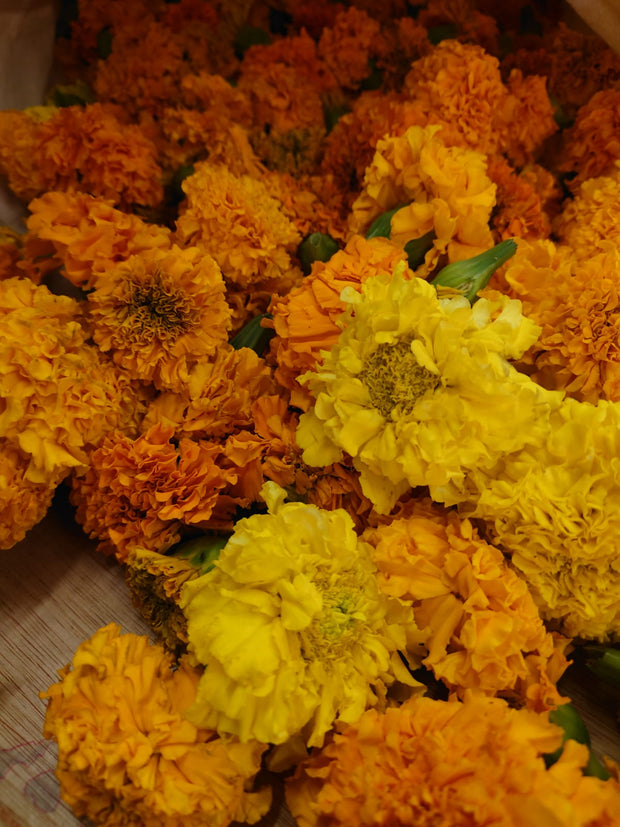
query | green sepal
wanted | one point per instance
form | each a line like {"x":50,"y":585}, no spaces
{"x":104,"y":43}
{"x":574,"y":729}
{"x":417,"y":248}
{"x":316,"y":247}
{"x":254,"y":335}
{"x":604,"y":662}
{"x":201,"y":552}
{"x":472,"y":274}
{"x":381,"y":227}
{"x":442,"y":31}
{"x":374,"y":79}
{"x":73,"y":94}
{"x":248,"y":36}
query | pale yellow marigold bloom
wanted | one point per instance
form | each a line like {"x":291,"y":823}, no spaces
{"x":555,"y":509}
{"x":292,"y":627}
{"x":418,"y":390}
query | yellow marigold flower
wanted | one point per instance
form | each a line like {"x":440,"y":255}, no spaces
{"x":306,"y":319}
{"x":485,"y":629}
{"x":445,"y":189}
{"x":555,"y":509}
{"x":417,"y":390}
{"x":436,"y":762}
{"x":23,"y":503}
{"x":61,"y":395}
{"x":238,"y":222}
{"x":126,"y":752}
{"x":159,"y":313}
{"x":292,"y":627}
{"x":590,"y":222}
{"x":89,"y":235}
{"x":575,"y":301}
{"x":141,"y":492}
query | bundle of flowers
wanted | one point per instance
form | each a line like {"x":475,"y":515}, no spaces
{"x":314,"y":315}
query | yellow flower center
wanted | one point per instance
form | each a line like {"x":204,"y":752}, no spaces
{"x":332,"y":632}
{"x":158,"y":310}
{"x":395,"y":378}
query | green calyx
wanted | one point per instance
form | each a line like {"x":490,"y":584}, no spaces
{"x":201,"y":552}
{"x":254,"y":335}
{"x":574,"y":729}
{"x":604,"y":662}
{"x":316,"y":247}
{"x":471,"y":275}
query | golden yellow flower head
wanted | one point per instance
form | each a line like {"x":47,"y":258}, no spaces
{"x":418,"y":389}
{"x":126,"y":752}
{"x":292,"y":627}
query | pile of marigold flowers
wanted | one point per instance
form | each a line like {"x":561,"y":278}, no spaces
{"x":314,"y":315}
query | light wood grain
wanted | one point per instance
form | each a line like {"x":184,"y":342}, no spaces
{"x":56,"y":591}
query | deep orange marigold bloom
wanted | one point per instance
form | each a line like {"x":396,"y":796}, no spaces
{"x":126,"y":752}
{"x":348,"y":46}
{"x":524,"y":202}
{"x":575,"y":302}
{"x":306,"y":319}
{"x":485,"y":629}
{"x":141,"y":492}
{"x":159,"y":313}
{"x":89,"y":235}
{"x":238,"y":222}
{"x":591,"y":146}
{"x":434,"y":762}
{"x":61,"y":395}
{"x":218,"y":398}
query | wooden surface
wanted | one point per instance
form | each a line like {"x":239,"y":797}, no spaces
{"x":56,"y":591}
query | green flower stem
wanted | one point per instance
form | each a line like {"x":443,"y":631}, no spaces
{"x":472,"y":274}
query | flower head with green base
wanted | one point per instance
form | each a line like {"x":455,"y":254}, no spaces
{"x":418,"y":389}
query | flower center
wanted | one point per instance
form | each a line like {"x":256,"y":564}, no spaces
{"x":331,"y":633}
{"x":158,"y":311}
{"x":395,"y":378}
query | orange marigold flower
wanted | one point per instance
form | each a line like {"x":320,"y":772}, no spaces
{"x":444,"y":189}
{"x":126,"y":752}
{"x":485,"y":629}
{"x":590,"y":222}
{"x":84,"y":148}
{"x":218,"y":398}
{"x":159,"y":313}
{"x":575,"y":302}
{"x":306,"y":319}
{"x":89,"y":235}
{"x":10,"y":252}
{"x":451,"y":763}
{"x":523,"y":204}
{"x":591,"y":146}
{"x":143,"y":491}
{"x":527,"y":119}
{"x":61,"y":395}
{"x":239,"y":223}
{"x":23,"y":503}
{"x":348,"y":46}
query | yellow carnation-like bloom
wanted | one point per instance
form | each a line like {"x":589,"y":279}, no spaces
{"x":417,"y":390}
{"x":60,"y":394}
{"x":445,"y":190}
{"x":126,"y":752}
{"x":555,"y":509}
{"x":453,"y":764}
{"x":160,"y":312}
{"x":485,"y":629}
{"x":292,"y":627}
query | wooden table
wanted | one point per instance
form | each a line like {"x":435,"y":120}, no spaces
{"x":56,"y":591}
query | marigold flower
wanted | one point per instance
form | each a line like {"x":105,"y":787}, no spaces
{"x":417,"y":390}
{"x":126,"y":752}
{"x":554,"y":510}
{"x":306,"y":320}
{"x":141,"y":492}
{"x":435,"y":762}
{"x":61,"y":395}
{"x":575,"y":302}
{"x":10,"y":252}
{"x":23,"y":503}
{"x":292,"y":627}
{"x":525,"y":201}
{"x":238,"y":222}
{"x":89,"y":235}
{"x":80,"y":148}
{"x":442,"y":189}
{"x":485,"y":629}
{"x":349,"y":44}
{"x":590,"y":147}
{"x":159,"y":312}
{"x":466,"y":21}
